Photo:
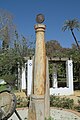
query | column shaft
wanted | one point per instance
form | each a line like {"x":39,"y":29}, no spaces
{"x":40,"y":61}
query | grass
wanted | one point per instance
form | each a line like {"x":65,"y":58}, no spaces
{"x":2,"y":87}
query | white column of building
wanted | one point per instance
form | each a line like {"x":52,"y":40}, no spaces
{"x":19,"y":77}
{"x":69,"y":74}
{"x":29,"y":76}
{"x":23,"y":79}
{"x":54,"y":75}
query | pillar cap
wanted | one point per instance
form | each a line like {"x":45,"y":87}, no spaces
{"x":40,"y":27}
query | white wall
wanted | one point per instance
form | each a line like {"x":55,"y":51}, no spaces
{"x":68,"y":90}
{"x":61,"y":91}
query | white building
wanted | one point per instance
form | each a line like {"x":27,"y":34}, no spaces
{"x":26,"y":79}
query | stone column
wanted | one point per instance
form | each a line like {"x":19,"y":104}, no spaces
{"x":39,"y":72}
{"x":37,"y":103}
{"x":40,"y":61}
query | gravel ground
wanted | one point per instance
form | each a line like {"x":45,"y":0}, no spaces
{"x":54,"y":113}
{"x":63,"y":115}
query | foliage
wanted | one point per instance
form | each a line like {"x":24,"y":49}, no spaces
{"x":71,"y":25}
{"x":7,"y":28}
{"x":56,"y":101}
{"x":9,"y":59}
{"x":71,"y":53}
{"x":50,"y":118}
{"x":22,"y":102}
{"x":77,"y":107}
{"x":22,"y":46}
{"x":8,"y":66}
{"x":9,"y":78}
{"x":2,"y":87}
{"x":53,"y":48}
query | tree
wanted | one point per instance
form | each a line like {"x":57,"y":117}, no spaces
{"x":71,"y":25}
{"x":23,"y":46}
{"x":53,"y":48}
{"x":6,"y":28}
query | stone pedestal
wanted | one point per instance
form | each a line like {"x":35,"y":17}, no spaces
{"x":36,"y":108}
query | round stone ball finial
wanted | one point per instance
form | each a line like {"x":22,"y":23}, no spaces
{"x":40,"y":18}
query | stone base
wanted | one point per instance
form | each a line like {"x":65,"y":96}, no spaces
{"x":36,"y":108}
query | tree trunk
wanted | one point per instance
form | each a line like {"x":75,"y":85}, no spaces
{"x":75,"y":39}
{"x":79,"y":76}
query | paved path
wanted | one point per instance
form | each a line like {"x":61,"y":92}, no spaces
{"x":57,"y":114}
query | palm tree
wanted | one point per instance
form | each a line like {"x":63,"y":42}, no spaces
{"x":71,"y":25}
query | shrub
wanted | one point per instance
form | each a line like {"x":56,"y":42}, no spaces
{"x":56,"y":101}
{"x":9,"y":78}
{"x":50,"y":118}
{"x":22,"y":101}
{"x":2,"y":87}
{"x":78,"y":106}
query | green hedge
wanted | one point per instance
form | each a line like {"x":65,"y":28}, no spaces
{"x":56,"y":101}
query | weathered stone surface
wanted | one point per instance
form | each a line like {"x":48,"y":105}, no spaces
{"x":47,"y":92}
{"x":7,"y":104}
{"x":40,"y":61}
{"x":39,"y":100}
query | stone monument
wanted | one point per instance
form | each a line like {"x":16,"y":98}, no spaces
{"x":39,"y":98}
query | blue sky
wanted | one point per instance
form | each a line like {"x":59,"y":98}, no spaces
{"x":55,"y":11}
